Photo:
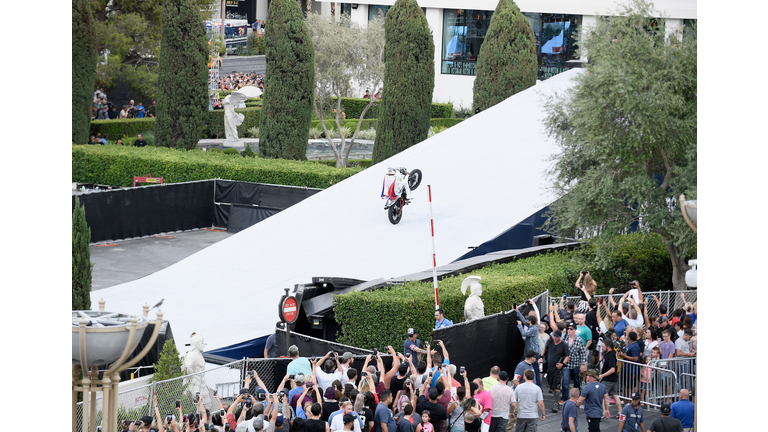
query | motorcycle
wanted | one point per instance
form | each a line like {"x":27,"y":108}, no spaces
{"x":395,"y":206}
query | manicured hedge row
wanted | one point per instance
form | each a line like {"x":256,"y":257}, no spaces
{"x":215,"y":124}
{"x":382,"y":317}
{"x":362,"y":163}
{"x":119,"y":128}
{"x":116,"y":166}
{"x":353,"y":107}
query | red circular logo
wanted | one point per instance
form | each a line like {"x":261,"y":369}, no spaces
{"x":290,"y":310}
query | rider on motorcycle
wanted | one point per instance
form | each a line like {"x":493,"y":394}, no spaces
{"x":395,"y":183}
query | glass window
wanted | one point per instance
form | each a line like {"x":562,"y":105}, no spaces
{"x":688,"y":28}
{"x":555,"y":41}
{"x":463,"y":32}
{"x":346,"y":9}
{"x":373,"y":10}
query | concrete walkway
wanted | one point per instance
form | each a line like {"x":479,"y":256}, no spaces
{"x":117,"y":263}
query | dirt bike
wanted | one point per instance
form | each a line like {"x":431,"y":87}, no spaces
{"x":395,"y":209}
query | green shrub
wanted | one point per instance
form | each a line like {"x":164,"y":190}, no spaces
{"x":315,"y":132}
{"x":231,"y":151}
{"x":381,"y":317}
{"x":248,"y":152}
{"x":253,"y":132}
{"x":441,"y":110}
{"x":444,"y":122}
{"x":116,"y":166}
{"x":122,"y":127}
{"x":352,"y":163}
{"x":215,"y":150}
{"x":255,"y":44}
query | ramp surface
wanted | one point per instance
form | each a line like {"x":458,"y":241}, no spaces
{"x":487,"y":174}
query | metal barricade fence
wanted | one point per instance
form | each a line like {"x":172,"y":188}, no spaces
{"x":669,"y":298}
{"x":138,"y":402}
{"x":656,"y":385}
{"x":683,"y":367}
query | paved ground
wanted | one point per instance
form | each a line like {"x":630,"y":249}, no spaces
{"x":133,"y":259}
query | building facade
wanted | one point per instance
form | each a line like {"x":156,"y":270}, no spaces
{"x":459,"y":32}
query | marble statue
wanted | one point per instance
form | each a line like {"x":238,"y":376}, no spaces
{"x":473,"y":307}
{"x":193,"y":366}
{"x":236,"y":100}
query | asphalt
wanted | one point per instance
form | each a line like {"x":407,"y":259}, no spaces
{"x":125,"y":261}
{"x":552,"y":421}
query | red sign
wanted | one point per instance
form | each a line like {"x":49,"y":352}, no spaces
{"x":290,"y":310}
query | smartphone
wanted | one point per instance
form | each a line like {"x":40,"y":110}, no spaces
{"x":375,"y":352}
{"x":215,"y":392}
{"x":310,"y":384}
{"x":250,"y":373}
{"x":462,"y":370}
{"x":599,"y":301}
{"x":222,"y":413}
{"x":197,"y":397}
{"x":485,"y":414}
{"x":565,"y":295}
{"x":291,"y":377}
{"x":314,"y":358}
{"x":178,"y":404}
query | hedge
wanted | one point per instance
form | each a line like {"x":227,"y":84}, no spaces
{"x":353,"y":107}
{"x":215,"y":124}
{"x":116,"y":166}
{"x":119,"y":128}
{"x":382,"y":317}
{"x":362,"y":163}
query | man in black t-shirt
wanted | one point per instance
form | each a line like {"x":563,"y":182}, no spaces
{"x":556,"y":352}
{"x":140,"y":142}
{"x":609,"y":376}
{"x":437,"y":412}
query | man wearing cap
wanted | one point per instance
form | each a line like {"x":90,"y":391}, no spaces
{"x":528,"y":363}
{"x":664,"y":324}
{"x":440,"y":319}
{"x":412,"y":345}
{"x":298,"y":364}
{"x":346,"y":364}
{"x":556,"y":352}
{"x":349,"y":423}
{"x":631,"y":417}
{"x":665,"y":423}
{"x":577,"y":360}
{"x":503,"y":404}
{"x":328,"y":370}
{"x":594,"y":397}
{"x":146,"y":424}
{"x":300,"y":380}
{"x":683,"y":410}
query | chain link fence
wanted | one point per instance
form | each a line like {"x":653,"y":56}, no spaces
{"x":671,"y":299}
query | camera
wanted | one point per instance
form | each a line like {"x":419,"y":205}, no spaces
{"x":178,"y":404}
{"x":291,"y":377}
{"x":250,"y":373}
{"x":137,"y":423}
{"x":169,"y":418}
{"x":310,"y":384}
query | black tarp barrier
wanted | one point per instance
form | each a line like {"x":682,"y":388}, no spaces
{"x":309,"y":346}
{"x":478,"y":345}
{"x":244,"y":216}
{"x":240,"y":205}
{"x":120,"y":214}
{"x":519,"y":236}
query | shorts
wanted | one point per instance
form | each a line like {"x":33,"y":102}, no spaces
{"x":554,"y":379}
{"x":611,"y":387}
{"x":645,"y":386}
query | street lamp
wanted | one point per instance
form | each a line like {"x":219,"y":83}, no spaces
{"x":105,"y":338}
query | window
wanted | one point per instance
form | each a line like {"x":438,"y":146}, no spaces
{"x":555,"y":41}
{"x":373,"y":11}
{"x":346,"y":9}
{"x":463,"y":32}
{"x":688,"y":28}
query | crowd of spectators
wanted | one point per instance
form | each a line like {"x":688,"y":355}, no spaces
{"x":105,"y":110}
{"x":237,"y":80}
{"x":575,"y":344}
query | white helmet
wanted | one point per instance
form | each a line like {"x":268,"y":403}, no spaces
{"x":391,"y":171}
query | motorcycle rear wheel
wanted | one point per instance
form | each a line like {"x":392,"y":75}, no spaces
{"x":414,"y":179}
{"x":395,"y":212}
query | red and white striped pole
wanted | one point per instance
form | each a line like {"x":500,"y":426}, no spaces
{"x":434,"y":260}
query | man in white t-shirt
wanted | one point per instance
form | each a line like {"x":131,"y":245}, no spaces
{"x":503,"y":404}
{"x":326,"y":373}
{"x":337,"y":423}
{"x":530,"y":402}
{"x":346,"y":362}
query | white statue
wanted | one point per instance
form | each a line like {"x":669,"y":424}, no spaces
{"x":473,"y":307}
{"x":193,"y":366}
{"x":234,"y":100}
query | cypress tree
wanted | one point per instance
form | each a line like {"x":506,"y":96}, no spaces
{"x":182,"y":94}
{"x":286,"y":112}
{"x":83,"y":69}
{"x":81,"y":260}
{"x":169,"y":364}
{"x":506,"y":63}
{"x":409,"y":79}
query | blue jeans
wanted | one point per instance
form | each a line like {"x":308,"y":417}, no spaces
{"x":567,"y":375}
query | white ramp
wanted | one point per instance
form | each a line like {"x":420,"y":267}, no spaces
{"x":487,"y":174}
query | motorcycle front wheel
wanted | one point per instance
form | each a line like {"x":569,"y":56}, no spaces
{"x":414,"y":179}
{"x":395,"y":212}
